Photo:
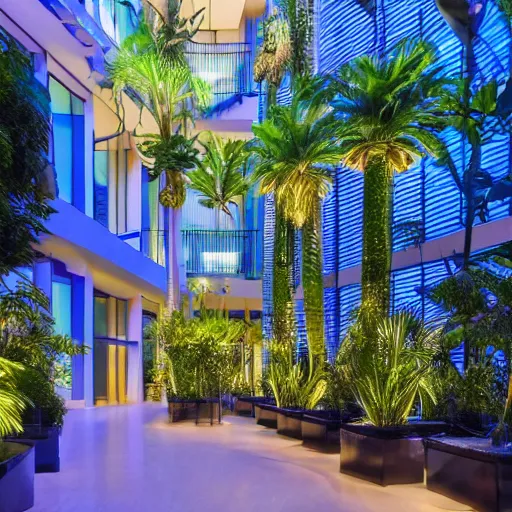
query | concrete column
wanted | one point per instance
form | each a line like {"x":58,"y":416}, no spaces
{"x":89,"y":340}
{"x":135,"y":392}
{"x":43,"y":277}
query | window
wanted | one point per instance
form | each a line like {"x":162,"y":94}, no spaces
{"x":111,"y":186}
{"x":68,"y":143}
{"x":117,"y":19}
{"x":110,"y":317}
{"x":62,"y":314}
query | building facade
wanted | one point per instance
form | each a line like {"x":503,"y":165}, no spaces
{"x":103,"y":265}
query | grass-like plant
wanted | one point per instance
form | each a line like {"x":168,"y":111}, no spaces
{"x":391,"y":371}
{"x":296,"y":384}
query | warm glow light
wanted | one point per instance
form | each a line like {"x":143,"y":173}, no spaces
{"x":227,"y":262}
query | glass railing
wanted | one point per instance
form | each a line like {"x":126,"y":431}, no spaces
{"x":232,"y":253}
{"x":227,"y":67}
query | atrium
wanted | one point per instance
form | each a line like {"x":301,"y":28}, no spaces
{"x":255,"y":254}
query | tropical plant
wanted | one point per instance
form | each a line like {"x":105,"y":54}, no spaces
{"x":477,"y":120}
{"x":295,"y":148}
{"x":295,"y":384}
{"x":26,"y":178}
{"x":12,"y":401}
{"x":273,"y":58}
{"x":390,"y":106}
{"x":390,"y":371}
{"x":27,"y":338}
{"x":220,"y":178}
{"x":150,"y":65}
{"x":200,"y":355}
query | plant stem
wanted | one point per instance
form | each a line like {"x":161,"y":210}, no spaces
{"x":376,"y":264}
{"x":312,"y":280}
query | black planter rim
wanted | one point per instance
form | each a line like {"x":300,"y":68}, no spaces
{"x":409,"y":431}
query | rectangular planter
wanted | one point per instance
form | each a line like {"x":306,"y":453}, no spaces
{"x":200,"y":411}
{"x":385,"y":456}
{"x":289,"y":423}
{"x":322,"y":431}
{"x":266,"y":415}
{"x":244,"y":407}
{"x":470,"y":471}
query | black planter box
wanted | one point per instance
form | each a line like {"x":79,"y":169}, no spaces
{"x":386,"y":456}
{"x":321,"y":428}
{"x":17,"y":478}
{"x":245,"y":405}
{"x":266,"y":415}
{"x":46,"y":441}
{"x":471,"y":471}
{"x":289,"y":422}
{"x":206,"y":410}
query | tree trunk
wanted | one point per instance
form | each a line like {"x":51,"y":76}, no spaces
{"x":284,"y":315}
{"x":376,"y":266}
{"x":313,"y":284}
{"x":172,"y":302}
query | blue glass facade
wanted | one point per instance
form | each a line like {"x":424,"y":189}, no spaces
{"x":68,"y":143}
{"x":426,"y":196}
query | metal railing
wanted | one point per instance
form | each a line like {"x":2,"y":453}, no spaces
{"x":227,"y":67}
{"x":209,"y":252}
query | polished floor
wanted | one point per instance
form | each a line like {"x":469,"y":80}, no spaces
{"x":129,"y":459}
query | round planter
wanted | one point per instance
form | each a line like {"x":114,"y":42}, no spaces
{"x":17,"y":478}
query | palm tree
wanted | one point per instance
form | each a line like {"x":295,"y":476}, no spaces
{"x":295,"y":147}
{"x":151,"y":65}
{"x":220,"y":178}
{"x":389,"y":105}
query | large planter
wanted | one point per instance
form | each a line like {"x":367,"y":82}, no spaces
{"x":46,"y":447}
{"x":471,"y":471}
{"x":386,"y":456}
{"x":245,"y":405}
{"x":17,"y":478}
{"x":206,"y":410}
{"x":289,"y":422}
{"x":321,"y":428}
{"x":266,"y":415}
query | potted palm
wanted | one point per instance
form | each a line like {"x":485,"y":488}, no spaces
{"x":388,"y":374}
{"x":16,"y":459}
{"x":390,"y":105}
{"x":150,"y":65}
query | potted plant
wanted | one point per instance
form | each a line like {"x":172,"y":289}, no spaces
{"x":198,"y":361}
{"x":16,"y":459}
{"x":27,"y":336}
{"x":388,"y":374}
{"x":297,"y":386}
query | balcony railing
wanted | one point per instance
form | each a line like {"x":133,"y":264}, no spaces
{"x":227,"y":67}
{"x":228,"y":253}
{"x":152,"y":245}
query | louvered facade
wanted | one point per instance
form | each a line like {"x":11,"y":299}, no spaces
{"x":426,"y":197}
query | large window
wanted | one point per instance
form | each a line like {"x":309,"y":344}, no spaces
{"x":62,"y":313}
{"x":111,"y":186}
{"x":68,"y":143}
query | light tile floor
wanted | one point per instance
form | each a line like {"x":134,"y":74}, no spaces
{"x":129,"y":459}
